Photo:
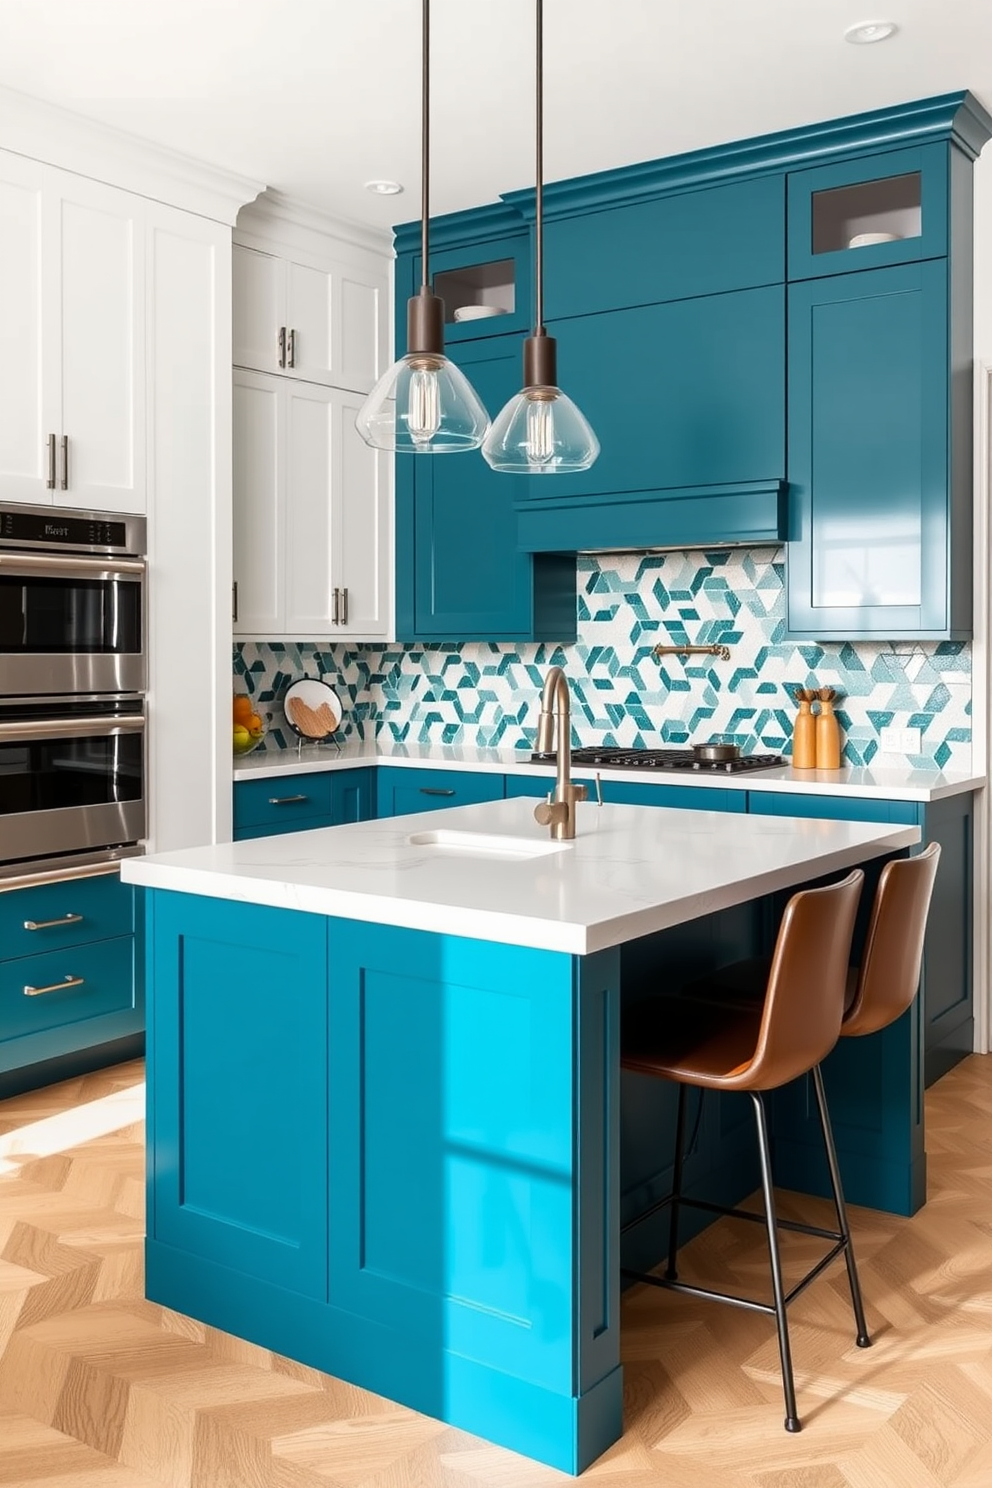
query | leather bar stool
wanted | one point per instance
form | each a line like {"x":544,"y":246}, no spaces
{"x":882,"y":987}
{"x":757,"y":1047}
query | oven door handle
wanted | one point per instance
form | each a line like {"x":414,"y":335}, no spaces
{"x":55,"y":565}
{"x":72,"y":728}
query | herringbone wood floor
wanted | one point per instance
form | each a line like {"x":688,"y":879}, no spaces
{"x":100,"y":1389}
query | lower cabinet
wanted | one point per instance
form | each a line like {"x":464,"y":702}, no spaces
{"x":626,"y":793}
{"x":296,"y":803}
{"x":400,"y":791}
{"x":71,"y":982}
{"x":946,"y":983}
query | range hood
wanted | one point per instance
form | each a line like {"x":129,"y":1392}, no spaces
{"x":747,"y":514}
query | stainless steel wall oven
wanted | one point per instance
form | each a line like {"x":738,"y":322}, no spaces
{"x":72,"y":678}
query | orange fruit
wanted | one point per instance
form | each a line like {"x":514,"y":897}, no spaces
{"x":254,"y":724}
{"x":242,"y":708}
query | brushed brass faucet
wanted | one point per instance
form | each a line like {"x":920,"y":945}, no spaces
{"x":559,"y":812}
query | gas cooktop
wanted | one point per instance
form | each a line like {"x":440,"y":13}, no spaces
{"x":662,"y":759}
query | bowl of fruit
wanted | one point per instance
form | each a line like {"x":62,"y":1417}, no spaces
{"x":249,"y":726}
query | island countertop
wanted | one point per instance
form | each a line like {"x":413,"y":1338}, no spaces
{"x":630,"y":870}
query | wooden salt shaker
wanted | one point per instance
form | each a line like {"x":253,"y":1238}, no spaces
{"x":827,"y":732}
{"x":804,"y":733}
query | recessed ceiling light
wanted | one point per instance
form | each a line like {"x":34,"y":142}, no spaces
{"x":865,"y":32}
{"x":384,"y":188}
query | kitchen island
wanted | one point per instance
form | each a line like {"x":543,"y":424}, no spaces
{"x":384,"y":1089}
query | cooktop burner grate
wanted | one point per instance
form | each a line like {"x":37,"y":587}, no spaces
{"x":661,"y":759}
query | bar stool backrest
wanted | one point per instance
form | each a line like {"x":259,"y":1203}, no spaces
{"x":804,"y":997}
{"x":890,"y":966}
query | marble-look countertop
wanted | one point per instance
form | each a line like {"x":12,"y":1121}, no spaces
{"x":890,"y":782}
{"x":630,"y":870}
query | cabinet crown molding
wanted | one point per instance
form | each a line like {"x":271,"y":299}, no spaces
{"x":56,"y":136}
{"x":958,"y":117}
{"x":297,"y":224}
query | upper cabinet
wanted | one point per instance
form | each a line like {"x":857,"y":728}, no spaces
{"x":312,"y":502}
{"x":72,"y":348}
{"x":320,"y":320}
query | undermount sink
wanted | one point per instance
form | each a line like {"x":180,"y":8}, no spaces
{"x":487,"y":844}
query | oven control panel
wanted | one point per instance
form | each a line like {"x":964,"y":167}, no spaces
{"x":53,"y":529}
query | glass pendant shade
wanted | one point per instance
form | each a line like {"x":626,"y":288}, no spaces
{"x":540,"y":432}
{"x":423,"y":405}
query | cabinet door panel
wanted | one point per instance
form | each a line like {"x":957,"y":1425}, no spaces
{"x":28,"y":354}
{"x":685,"y":394}
{"x":308,"y":319}
{"x":868,"y":441}
{"x":470,"y":579}
{"x":360,"y":495}
{"x":59,"y":916}
{"x":309,"y":459}
{"x":401,"y":791}
{"x":359,"y":328}
{"x":259,"y":308}
{"x":101,"y":243}
{"x":259,"y":479}
{"x":239,"y":1173}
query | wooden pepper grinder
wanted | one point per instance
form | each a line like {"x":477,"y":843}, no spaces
{"x":804,"y":732}
{"x":827,"y":732}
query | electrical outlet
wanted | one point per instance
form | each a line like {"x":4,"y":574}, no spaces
{"x":911,"y":740}
{"x":890,"y":740}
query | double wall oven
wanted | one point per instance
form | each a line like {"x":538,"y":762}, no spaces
{"x":72,"y":682}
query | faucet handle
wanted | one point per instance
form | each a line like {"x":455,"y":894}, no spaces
{"x":578,"y":792}
{"x":548,"y":813}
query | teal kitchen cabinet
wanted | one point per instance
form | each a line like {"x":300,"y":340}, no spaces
{"x":687,"y":399}
{"x":297,"y":803}
{"x":946,"y":983}
{"x":627,"y":793}
{"x":71,"y":983}
{"x":879,"y":457}
{"x":675,"y":247}
{"x":459,"y":572}
{"x":400,"y":791}
{"x":866,"y":213}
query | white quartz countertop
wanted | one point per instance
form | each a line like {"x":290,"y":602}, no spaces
{"x":893,"y":782}
{"x":630,"y":870}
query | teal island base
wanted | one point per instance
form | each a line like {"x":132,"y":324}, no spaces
{"x":396,"y":1155}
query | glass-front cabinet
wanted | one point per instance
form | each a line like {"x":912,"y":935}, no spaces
{"x":862,"y":214}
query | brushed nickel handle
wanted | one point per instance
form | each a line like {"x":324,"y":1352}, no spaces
{"x":69,"y":919}
{"x":336,"y":608}
{"x":723,"y":652}
{"x":344,"y":607}
{"x":50,"y":482}
{"x":80,"y":567}
{"x":70,"y":981}
{"x":65,"y":463}
{"x":73,"y":728}
{"x":291,"y":347}
{"x":434,"y":790}
{"x":234,"y":601}
{"x":286,"y":800}
{"x":282,"y":346}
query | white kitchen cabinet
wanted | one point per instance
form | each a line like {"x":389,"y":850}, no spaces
{"x":311,"y":513}
{"x":72,"y":354}
{"x":319,"y":320}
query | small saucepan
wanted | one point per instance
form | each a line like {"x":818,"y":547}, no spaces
{"x":715,"y":752}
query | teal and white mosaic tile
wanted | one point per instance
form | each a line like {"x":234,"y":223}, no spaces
{"x":486,"y":694}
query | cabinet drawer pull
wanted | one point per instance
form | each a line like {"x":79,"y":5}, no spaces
{"x":282,"y":346}
{"x":64,"y":483}
{"x":291,"y":348}
{"x":50,"y":482}
{"x":69,"y":919}
{"x":286,"y":800}
{"x":434,"y":790}
{"x":336,"y":608}
{"x":344,"y":607}
{"x":234,"y":600}
{"x":70,"y":981}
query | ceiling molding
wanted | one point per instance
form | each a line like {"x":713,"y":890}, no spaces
{"x":276,"y":215}
{"x":42,"y":131}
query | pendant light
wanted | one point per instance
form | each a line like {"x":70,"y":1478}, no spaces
{"x":540,"y":431}
{"x":423,"y":404}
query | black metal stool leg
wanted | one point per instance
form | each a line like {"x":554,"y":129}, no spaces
{"x":863,"y":1338}
{"x":792,"y":1422}
{"x":671,"y":1273}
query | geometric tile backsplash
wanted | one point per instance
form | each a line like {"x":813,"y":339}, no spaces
{"x":487,"y":693}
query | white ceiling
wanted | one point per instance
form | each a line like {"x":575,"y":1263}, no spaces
{"x":317,"y":96}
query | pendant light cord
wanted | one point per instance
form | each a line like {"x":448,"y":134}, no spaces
{"x":425,"y":153}
{"x":539,"y":175}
